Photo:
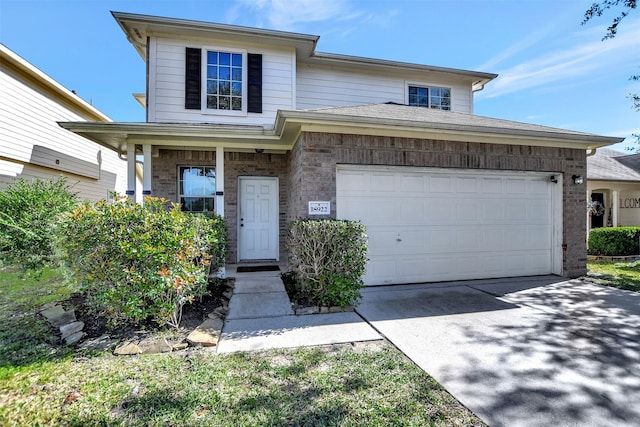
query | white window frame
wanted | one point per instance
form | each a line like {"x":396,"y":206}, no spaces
{"x":203,"y":89}
{"x":180,"y":195}
{"x":428,"y":86}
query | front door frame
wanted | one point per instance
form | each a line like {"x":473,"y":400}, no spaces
{"x":275,"y":225}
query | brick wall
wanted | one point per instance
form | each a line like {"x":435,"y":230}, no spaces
{"x":165,"y":183}
{"x":312,"y":170}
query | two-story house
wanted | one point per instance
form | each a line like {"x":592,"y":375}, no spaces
{"x":258,"y":126}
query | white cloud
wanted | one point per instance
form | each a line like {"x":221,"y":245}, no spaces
{"x":582,"y":60}
{"x":288,"y":14}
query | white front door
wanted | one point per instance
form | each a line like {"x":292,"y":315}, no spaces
{"x":258,"y":219}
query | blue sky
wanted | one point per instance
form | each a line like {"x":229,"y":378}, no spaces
{"x":553,"y":71}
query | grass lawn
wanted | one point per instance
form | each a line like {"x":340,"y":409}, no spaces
{"x":42,"y":383}
{"x":622,"y":275}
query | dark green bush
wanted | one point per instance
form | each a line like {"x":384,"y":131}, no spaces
{"x":614,"y":241}
{"x":28,"y":212}
{"x":327,"y":260}
{"x":140,"y":262}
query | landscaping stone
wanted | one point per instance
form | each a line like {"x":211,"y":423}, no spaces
{"x":155,"y":346}
{"x":71,"y":328}
{"x":103,"y":342}
{"x":129,"y":348}
{"x":74,"y":338}
{"x":207,"y":334}
{"x":180,"y":346}
{"x":57,"y":316}
{"x":308,"y":310}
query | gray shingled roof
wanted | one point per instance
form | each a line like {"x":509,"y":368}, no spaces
{"x":407,"y":113}
{"x":612,"y":165}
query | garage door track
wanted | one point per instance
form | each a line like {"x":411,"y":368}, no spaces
{"x":530,"y":351}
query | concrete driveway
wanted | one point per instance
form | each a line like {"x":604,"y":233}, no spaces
{"x":535,"y":351}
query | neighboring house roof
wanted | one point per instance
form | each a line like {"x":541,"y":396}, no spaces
{"x":611,"y":165}
{"x":63,"y":95}
{"x":372,"y":119}
{"x":139,"y":27}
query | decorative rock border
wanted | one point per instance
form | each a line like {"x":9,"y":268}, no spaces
{"x":71,"y":331}
{"x":303,"y":311}
{"x":628,"y":258}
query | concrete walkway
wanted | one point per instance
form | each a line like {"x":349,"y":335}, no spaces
{"x":260,"y":317}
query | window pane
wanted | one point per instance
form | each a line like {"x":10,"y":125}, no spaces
{"x":413,"y":91}
{"x":212,"y":87}
{"x":236,"y":103}
{"x":236,"y":74}
{"x":225,"y":73}
{"x":225,"y":88}
{"x":225,"y":58}
{"x":212,"y":102}
{"x":236,"y":89}
{"x":212,"y":57}
{"x":237,"y":60}
{"x":212,"y":72}
{"x":224,"y":103}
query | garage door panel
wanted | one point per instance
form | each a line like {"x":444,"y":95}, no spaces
{"x":438,"y":224}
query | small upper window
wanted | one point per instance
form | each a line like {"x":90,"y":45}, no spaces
{"x":197,"y":188}
{"x":224,"y":81}
{"x":430,"y":97}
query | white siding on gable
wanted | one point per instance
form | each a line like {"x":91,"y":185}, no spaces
{"x":321,"y":87}
{"x":167,"y":74}
{"x":33,"y":145}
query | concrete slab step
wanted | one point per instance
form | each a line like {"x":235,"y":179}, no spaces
{"x":258,"y":305}
{"x":294,"y":331}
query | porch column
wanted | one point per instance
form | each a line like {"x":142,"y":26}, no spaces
{"x":146,"y":170}
{"x":131,"y":171}
{"x":615,"y":205}
{"x":220,"y":181}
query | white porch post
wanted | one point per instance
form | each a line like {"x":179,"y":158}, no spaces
{"x":146,"y":170}
{"x":615,"y":195}
{"x":220,"y":181}
{"x":131,"y":171}
{"x":222,"y":273}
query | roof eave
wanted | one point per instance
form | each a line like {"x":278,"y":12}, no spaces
{"x":315,"y":121}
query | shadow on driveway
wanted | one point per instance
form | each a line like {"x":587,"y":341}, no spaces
{"x":521,"y":352}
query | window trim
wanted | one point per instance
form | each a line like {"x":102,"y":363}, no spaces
{"x":180,"y":195}
{"x":203,"y":88}
{"x":428,"y":86}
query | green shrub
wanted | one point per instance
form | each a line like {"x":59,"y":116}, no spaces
{"x":28,"y":211}
{"x":140,"y":262}
{"x":614,"y":241}
{"x":327,"y":260}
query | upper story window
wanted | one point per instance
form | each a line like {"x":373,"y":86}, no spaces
{"x":223,"y":82}
{"x":224,"y":88}
{"x":197,"y":188}
{"x":430,"y":97}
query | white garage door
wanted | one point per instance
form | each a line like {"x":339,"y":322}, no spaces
{"x":427,"y":224}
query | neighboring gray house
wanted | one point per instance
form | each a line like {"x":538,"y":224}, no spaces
{"x":260,"y":127}
{"x":32,"y":145}
{"x":613,"y":188}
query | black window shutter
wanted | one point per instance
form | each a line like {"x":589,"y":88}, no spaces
{"x":254,"y":86}
{"x":192,"y":81}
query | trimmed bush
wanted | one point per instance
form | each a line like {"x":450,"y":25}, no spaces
{"x":140,"y":262}
{"x":614,"y":241}
{"x":28,"y":212}
{"x":327,"y":260}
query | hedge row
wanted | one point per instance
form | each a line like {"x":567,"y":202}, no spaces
{"x":614,"y":241}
